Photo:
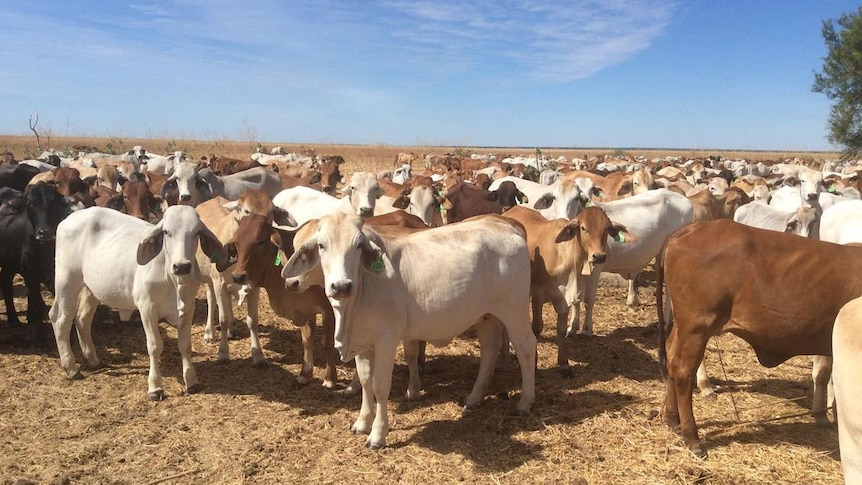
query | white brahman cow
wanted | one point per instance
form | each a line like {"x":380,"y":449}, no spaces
{"x":650,"y":218}
{"x":385,"y":290}
{"x":563,"y":199}
{"x":799,"y":221}
{"x":304,"y":203}
{"x":847,"y":356}
{"x":95,"y":265}
{"x":232,"y":186}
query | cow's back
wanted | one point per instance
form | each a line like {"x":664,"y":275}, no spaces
{"x":651,"y":217}
{"x":99,"y":245}
{"x":478,"y":267}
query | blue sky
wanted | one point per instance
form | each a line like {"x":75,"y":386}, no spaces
{"x":578,"y":73}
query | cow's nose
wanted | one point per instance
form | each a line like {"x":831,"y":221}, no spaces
{"x":186,"y":197}
{"x":327,"y":189}
{"x":341,"y":289}
{"x":812,"y":197}
{"x":599,"y":258}
{"x":239,"y":278}
{"x":366,"y":212}
{"x":43,"y":235}
{"x":182,"y":268}
{"x":292,"y":284}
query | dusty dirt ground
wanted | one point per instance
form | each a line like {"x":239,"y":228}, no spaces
{"x":256,"y":425}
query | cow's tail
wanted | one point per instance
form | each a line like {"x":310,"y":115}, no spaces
{"x":659,"y":300}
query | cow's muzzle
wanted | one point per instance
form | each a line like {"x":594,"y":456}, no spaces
{"x":182,"y":269}
{"x":366,"y":212}
{"x":341,"y":289}
{"x":598,"y":258}
{"x":44,"y":235}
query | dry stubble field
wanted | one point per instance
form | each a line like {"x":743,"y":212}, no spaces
{"x":256,"y":425}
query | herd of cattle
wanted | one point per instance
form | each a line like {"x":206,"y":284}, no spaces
{"x":767,"y":251}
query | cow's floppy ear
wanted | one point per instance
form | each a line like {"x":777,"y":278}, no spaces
{"x":373,"y":257}
{"x":545,"y":201}
{"x":626,"y":188}
{"x":569,"y":231}
{"x":151,"y":246}
{"x":790,"y":181}
{"x":620,"y":233}
{"x":211,"y":246}
{"x":402,"y":202}
{"x":305,"y":259}
{"x":115,"y":202}
{"x":283,"y":219}
{"x":230,"y":250}
{"x":493,"y":195}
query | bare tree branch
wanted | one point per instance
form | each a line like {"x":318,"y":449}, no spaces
{"x":33,"y":129}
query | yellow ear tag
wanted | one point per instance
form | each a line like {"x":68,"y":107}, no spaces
{"x":377,"y":266}
{"x":278,"y":258}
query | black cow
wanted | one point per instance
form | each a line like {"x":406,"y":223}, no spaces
{"x":28,"y":226}
{"x":17,"y":176}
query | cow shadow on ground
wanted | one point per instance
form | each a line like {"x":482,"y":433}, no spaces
{"x":605,"y":357}
{"x":816,"y":437}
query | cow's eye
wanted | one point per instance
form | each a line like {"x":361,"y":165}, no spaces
{"x":320,"y":246}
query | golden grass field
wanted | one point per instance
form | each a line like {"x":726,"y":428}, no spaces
{"x":257,"y":426}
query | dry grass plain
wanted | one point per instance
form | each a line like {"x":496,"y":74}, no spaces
{"x":256,"y":425}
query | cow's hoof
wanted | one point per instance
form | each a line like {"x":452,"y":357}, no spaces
{"x":157,"y":395}
{"x":303,"y":380}
{"x":75,"y":375}
{"x":351,"y":391}
{"x":699,"y":452}
{"x":328,"y":384}
{"x":259,"y":362}
{"x":194,"y":388}
{"x":376,"y":446}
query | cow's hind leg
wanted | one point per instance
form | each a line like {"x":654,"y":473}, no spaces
{"x":411,"y":355}
{"x":706,"y":389}
{"x":821,"y":373}
{"x":489,"y":332}
{"x":87,"y":305}
{"x":688,"y":350}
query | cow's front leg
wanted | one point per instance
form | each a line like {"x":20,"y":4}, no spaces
{"x":184,"y":342}
{"x":364,"y":371}
{"x":252,"y":301}
{"x":633,"y":299}
{"x":381,"y":383}
{"x":150,"y":322}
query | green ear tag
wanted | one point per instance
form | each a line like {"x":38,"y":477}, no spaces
{"x":377,"y":266}
{"x":831,"y":189}
{"x":215,"y":259}
{"x":278,"y":258}
{"x":621,"y":237}
{"x":441,"y":208}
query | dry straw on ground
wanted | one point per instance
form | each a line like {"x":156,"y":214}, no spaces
{"x":256,"y":425}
